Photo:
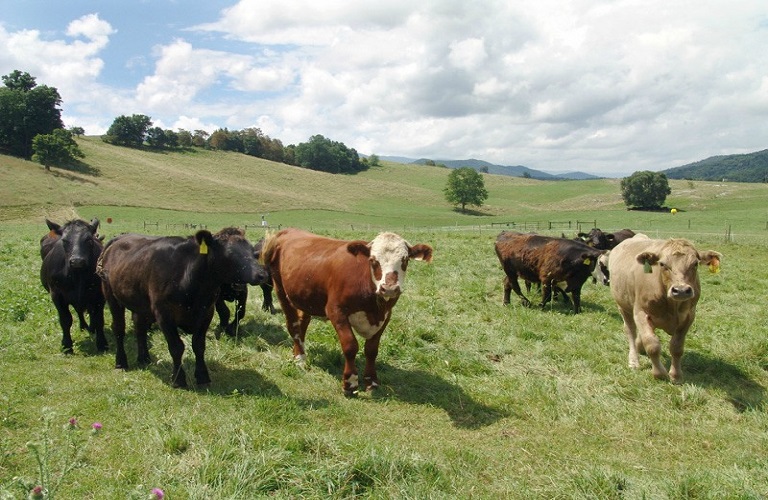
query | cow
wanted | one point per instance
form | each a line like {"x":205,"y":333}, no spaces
{"x":238,"y":293}
{"x":547,"y":261}
{"x":354,"y":284}
{"x":605,"y":241}
{"x":68,"y":272}
{"x":655,"y":284}
{"x":175,"y":282}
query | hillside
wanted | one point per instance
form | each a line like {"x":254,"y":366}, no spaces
{"x":750,"y":167}
{"x":510,"y":170}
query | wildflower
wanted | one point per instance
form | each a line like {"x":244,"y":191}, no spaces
{"x":72,"y":422}
{"x":157,"y":494}
{"x":36,"y":493}
{"x":95,"y":427}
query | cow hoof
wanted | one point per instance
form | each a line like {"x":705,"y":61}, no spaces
{"x":67,"y":350}
{"x":350,"y":393}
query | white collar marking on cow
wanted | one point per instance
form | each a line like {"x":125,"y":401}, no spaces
{"x":363,"y":327}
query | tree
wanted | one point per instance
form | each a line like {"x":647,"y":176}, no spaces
{"x":465,"y":187}
{"x":128,"y":131}
{"x":645,"y":189}
{"x":26,"y":110}
{"x":328,"y":156}
{"x":77,"y":131}
{"x":57,"y":149}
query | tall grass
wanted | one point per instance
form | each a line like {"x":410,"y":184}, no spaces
{"x":477,"y":399}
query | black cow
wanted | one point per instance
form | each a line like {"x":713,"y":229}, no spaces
{"x":544,"y":260}
{"x":175,"y":282}
{"x":605,"y":241}
{"x":238,"y":293}
{"x":68,"y":272}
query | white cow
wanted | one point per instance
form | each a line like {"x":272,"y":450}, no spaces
{"x":656,"y":285}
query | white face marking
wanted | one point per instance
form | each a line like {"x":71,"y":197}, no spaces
{"x":390,"y":251}
{"x":359,"y":322}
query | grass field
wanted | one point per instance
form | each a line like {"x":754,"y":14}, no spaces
{"x":478,"y":400}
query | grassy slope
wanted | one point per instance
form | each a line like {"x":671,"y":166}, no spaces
{"x":478,"y":400}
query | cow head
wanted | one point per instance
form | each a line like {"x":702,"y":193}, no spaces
{"x":236,"y":259}
{"x":600,"y":273}
{"x":388,"y":255}
{"x":678,"y":262}
{"x":80,"y":241}
{"x":595,"y":238}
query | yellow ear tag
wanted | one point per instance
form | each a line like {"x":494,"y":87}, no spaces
{"x":647,"y":267}
{"x":587,"y":261}
{"x":714,"y":267}
{"x":203,"y":248}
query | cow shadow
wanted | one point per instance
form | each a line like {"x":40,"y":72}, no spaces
{"x":708,"y":371}
{"x":271,"y":334}
{"x":415,"y":386}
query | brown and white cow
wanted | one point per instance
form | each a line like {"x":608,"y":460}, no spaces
{"x":656,"y":285}
{"x":355,"y":284}
{"x":545,"y":260}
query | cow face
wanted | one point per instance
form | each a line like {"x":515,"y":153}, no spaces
{"x":595,"y":238}
{"x":388,"y":255}
{"x":600,"y":272}
{"x":678,"y":262}
{"x":79,"y":239}
{"x":236,"y":258}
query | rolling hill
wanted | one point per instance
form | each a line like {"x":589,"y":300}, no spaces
{"x":510,"y":170}
{"x":749,"y":167}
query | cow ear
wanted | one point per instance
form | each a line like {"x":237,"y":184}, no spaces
{"x":94,"y":225}
{"x":610,"y":237}
{"x":710,"y":257}
{"x":582,"y":235}
{"x":649,"y":258}
{"x":53,"y":226}
{"x":420,"y":252}
{"x":359,"y":247}
{"x":204,"y":239}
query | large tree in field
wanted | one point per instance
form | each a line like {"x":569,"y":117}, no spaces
{"x":645,"y":189}
{"x":465,"y":187}
{"x":26,"y":110}
{"x":57,"y":149}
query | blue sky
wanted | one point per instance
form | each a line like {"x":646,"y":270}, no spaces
{"x":602,"y":87}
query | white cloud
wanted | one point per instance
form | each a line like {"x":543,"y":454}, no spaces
{"x":591,"y":85}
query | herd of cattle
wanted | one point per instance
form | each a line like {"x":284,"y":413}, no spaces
{"x":179,"y":282}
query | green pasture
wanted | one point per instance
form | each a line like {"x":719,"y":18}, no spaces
{"x":478,"y":400}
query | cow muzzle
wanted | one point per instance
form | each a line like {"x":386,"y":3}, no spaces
{"x":388,"y":291}
{"x":680,"y":292}
{"x":77,"y":262}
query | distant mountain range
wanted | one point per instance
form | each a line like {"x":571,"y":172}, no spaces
{"x":484,"y":166}
{"x":749,"y":167}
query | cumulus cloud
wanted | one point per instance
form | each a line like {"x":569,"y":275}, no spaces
{"x":605,"y":87}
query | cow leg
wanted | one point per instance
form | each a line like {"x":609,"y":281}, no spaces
{"x":141,"y":326}
{"x":576,"y":300}
{"x":83,"y":323}
{"x":222,"y":309}
{"x":546,"y":293}
{"x":118,"y":329}
{"x":370,"y":378}
{"x":176,"y":350}
{"x":96,"y":312}
{"x":65,"y":321}
{"x":201,"y":370}
{"x":630,"y":329}
{"x":676,"y":351}
{"x":651,"y":343}
{"x":512,"y":284}
{"x":267,"y":305}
